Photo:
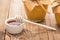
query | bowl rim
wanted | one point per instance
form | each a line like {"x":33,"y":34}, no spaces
{"x":6,"y":22}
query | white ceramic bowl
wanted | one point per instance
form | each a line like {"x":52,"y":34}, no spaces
{"x":13,"y":29}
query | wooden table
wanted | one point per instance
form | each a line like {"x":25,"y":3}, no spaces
{"x":11,"y":8}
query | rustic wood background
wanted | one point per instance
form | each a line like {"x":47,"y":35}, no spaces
{"x":11,"y":8}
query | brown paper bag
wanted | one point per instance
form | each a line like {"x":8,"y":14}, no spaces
{"x":34,"y":11}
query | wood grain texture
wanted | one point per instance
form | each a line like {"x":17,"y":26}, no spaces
{"x":58,"y":1}
{"x":11,"y":8}
{"x":4,"y":9}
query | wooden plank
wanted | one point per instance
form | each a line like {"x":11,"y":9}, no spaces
{"x":7,"y":37}
{"x":34,"y":28}
{"x":56,"y":35}
{"x":44,"y":36}
{"x":4,"y":9}
{"x":50,"y":35}
{"x":2,"y":35}
{"x":58,"y":1}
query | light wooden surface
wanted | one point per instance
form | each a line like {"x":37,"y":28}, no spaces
{"x":11,"y":8}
